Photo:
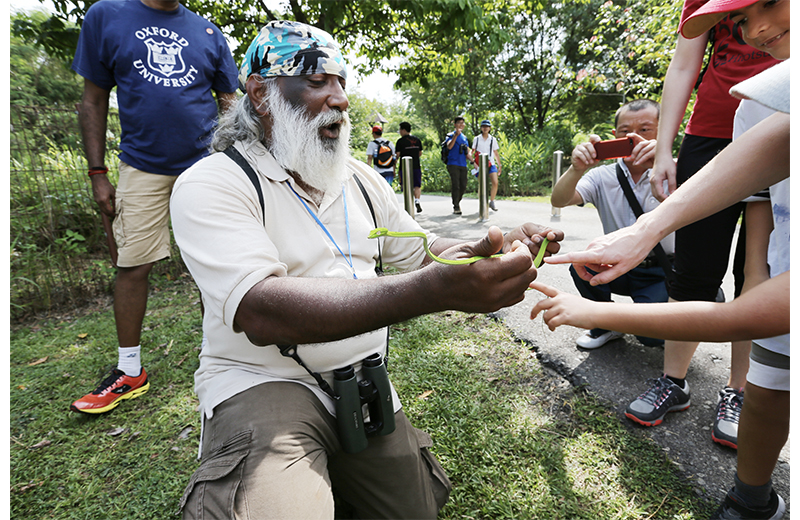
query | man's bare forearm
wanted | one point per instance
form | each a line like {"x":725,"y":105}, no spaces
{"x":93,"y":121}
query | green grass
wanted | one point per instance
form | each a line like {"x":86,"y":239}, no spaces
{"x":515,"y":441}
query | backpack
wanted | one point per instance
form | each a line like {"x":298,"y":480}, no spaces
{"x":384,"y":158}
{"x":445,"y":150}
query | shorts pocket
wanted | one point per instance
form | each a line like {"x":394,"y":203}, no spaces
{"x":117,"y":226}
{"x":440,"y":484}
{"x":212,"y":488}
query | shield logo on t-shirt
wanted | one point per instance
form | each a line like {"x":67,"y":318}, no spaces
{"x":164,"y":58}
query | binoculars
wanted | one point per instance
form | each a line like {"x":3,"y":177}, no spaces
{"x":373,"y":391}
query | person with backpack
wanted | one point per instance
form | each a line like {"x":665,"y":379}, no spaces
{"x":458,"y":152}
{"x":487,"y":144}
{"x":380,"y":154}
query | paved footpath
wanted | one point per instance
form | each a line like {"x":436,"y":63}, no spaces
{"x":619,"y":371}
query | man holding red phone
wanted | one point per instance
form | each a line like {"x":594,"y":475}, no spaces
{"x":636,"y":129}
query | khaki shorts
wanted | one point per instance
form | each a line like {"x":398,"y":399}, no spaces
{"x":272,"y":452}
{"x":141,"y":224}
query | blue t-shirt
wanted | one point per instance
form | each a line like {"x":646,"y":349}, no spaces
{"x":165,"y":65}
{"x":455,"y":156}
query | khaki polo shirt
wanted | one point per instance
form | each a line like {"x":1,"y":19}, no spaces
{"x":218,"y":225}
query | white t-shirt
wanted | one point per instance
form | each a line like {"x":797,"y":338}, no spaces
{"x":217,"y":221}
{"x":486,"y":146}
{"x":748,"y":115}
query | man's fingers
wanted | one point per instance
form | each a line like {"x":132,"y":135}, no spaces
{"x":606,"y":274}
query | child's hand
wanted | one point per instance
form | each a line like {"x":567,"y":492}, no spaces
{"x":562,"y":308}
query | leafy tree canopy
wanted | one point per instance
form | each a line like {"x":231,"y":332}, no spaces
{"x":375,"y":30}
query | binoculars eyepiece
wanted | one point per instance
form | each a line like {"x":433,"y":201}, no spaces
{"x":374,"y":392}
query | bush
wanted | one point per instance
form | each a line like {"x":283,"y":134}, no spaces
{"x":527,"y":164}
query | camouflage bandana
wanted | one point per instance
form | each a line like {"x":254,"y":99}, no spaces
{"x":284,"y":48}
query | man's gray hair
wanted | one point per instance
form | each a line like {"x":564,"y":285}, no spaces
{"x":241,"y":122}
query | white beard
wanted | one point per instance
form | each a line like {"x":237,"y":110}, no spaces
{"x":298,"y":147}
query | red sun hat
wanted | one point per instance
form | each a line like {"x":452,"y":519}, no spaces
{"x":709,"y":15}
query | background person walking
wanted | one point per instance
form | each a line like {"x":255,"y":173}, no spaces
{"x":458,"y":147}
{"x":487,"y":144}
{"x":410,"y":146}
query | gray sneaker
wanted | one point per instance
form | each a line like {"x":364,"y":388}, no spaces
{"x":491,"y":205}
{"x":662,"y":397}
{"x":726,"y":422}
{"x":732,"y":510}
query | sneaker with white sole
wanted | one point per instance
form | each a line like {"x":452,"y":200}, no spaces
{"x":662,"y":397}
{"x":592,"y":340}
{"x":732,"y":510}
{"x":114,"y":389}
{"x":491,"y":205}
{"x":726,"y":421}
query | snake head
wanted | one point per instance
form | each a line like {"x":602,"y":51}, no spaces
{"x":378,"y":232}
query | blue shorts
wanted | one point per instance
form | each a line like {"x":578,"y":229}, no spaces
{"x":417,"y":178}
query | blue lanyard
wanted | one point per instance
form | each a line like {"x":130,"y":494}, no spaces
{"x":321,"y":225}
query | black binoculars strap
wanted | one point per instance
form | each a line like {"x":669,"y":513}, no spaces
{"x":661,"y":255}
{"x":291,"y":351}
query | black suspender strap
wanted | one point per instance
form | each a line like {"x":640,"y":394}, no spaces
{"x":661,"y":255}
{"x":378,"y":269}
{"x":236,"y":157}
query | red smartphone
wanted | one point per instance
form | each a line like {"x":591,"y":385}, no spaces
{"x":614,"y":148}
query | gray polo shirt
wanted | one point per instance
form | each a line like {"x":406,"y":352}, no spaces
{"x":601,"y":187}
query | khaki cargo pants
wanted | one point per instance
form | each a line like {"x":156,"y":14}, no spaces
{"x":273,"y":452}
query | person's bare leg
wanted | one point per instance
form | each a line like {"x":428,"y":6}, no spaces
{"x":494,"y":185}
{"x":763,"y":430}
{"x":417,"y":192}
{"x":130,"y":303}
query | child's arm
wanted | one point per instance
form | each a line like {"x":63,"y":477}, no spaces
{"x":762,"y":312}
{"x":678,"y":85}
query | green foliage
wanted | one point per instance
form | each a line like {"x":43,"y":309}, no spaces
{"x":512,"y":447}
{"x":363,"y":28}
{"x":631,"y":48}
{"x":527,"y":164}
{"x":41,"y":73}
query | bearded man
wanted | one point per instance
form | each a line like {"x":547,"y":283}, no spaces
{"x":291,"y":294}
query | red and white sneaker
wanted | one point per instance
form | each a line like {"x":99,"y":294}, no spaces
{"x":115,"y":388}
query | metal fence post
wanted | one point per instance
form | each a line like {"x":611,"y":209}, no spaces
{"x":556,"y":212}
{"x":483,"y":184}
{"x":406,"y":170}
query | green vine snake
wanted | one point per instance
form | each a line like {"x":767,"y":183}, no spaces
{"x":383,"y":232}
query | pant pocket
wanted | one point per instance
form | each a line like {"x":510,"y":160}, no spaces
{"x":440,"y":484}
{"x":211,"y":491}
